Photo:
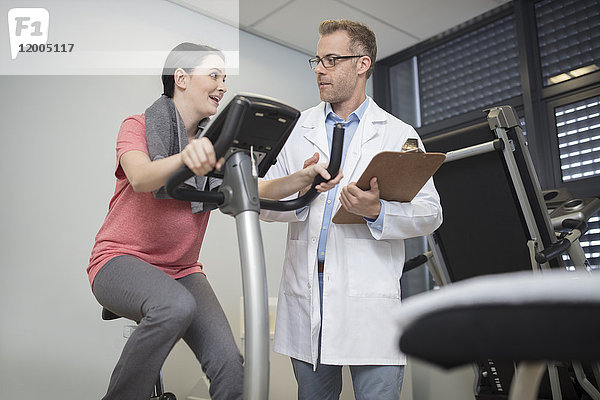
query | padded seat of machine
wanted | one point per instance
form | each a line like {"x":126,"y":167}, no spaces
{"x":518,"y":316}
{"x":108,"y":315}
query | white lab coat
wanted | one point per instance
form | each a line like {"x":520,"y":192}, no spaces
{"x":363,"y":266}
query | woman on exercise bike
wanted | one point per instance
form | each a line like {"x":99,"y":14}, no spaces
{"x":144,"y":263}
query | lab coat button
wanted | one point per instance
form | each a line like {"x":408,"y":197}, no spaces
{"x":313,"y":240}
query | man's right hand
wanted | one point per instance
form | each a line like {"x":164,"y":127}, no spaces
{"x":319,"y":170}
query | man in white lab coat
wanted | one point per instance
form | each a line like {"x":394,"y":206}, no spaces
{"x":340,"y":288}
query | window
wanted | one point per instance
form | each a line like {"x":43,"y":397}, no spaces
{"x":577,"y":124}
{"x":542,"y":57}
{"x":405,"y":93}
{"x":578,"y":132}
{"x":471,"y":72}
{"x":568,"y":38}
{"x":590,"y":243}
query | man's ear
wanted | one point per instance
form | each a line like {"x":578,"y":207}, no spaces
{"x":363,"y":64}
{"x":180,"y":77}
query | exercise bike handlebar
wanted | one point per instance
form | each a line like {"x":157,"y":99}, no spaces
{"x":335,"y":160}
{"x":222,"y":144}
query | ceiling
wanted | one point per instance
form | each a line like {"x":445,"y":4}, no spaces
{"x":398,"y":24}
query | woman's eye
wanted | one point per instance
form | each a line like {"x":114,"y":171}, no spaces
{"x":213,"y":75}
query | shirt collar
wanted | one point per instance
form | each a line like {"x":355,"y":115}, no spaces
{"x":357,"y":114}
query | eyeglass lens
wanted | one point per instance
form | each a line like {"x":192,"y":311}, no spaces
{"x":328,"y":61}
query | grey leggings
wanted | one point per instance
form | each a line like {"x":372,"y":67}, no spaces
{"x":166,"y":311}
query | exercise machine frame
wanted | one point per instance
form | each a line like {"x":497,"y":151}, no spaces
{"x":236,"y":133}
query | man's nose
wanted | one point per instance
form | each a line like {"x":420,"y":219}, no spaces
{"x":320,"y":69}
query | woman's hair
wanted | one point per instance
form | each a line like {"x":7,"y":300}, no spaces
{"x":186,"y":56}
{"x":362,"y":39}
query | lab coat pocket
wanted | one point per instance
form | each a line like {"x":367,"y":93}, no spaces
{"x":371,"y":270}
{"x":295,"y":273}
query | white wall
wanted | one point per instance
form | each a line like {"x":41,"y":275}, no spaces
{"x":58,"y":139}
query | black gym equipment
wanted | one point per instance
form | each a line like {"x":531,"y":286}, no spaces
{"x":496,"y":221}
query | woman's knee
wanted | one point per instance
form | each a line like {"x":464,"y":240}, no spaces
{"x":176,"y":311}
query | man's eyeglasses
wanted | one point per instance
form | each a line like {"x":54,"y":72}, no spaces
{"x":327,"y":61}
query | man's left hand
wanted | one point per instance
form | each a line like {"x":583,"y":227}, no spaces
{"x":362,"y":202}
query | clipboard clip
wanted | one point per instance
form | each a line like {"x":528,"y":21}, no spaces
{"x":411,"y":146}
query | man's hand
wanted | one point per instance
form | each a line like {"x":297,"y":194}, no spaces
{"x":312,"y":169}
{"x":362,"y":202}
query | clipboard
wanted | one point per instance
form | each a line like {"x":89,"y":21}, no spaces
{"x":400,"y":176}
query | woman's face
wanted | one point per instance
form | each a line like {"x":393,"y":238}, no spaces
{"x":207,"y":86}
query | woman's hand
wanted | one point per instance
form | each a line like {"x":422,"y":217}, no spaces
{"x":199,"y":156}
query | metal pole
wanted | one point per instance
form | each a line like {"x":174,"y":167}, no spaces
{"x":474,"y":150}
{"x":256,"y":310}
{"x":240,"y":193}
{"x":526,"y":382}
{"x":576,"y":253}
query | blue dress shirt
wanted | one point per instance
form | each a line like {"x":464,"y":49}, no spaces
{"x":331,"y":118}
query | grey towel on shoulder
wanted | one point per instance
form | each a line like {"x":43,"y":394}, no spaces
{"x":166,"y":135}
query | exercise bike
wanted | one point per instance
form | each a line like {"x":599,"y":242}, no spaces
{"x":249,"y":133}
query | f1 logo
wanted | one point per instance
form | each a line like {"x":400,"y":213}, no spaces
{"x":27,"y":26}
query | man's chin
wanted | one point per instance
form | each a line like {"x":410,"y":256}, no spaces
{"x":324,"y":97}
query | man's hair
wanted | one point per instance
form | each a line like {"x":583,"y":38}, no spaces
{"x":362,"y":38}
{"x":186,"y":56}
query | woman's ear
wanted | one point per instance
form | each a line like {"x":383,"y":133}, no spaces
{"x":180,"y":77}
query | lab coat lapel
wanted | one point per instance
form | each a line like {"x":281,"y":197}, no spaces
{"x":314,"y":131}
{"x":367,"y":130}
